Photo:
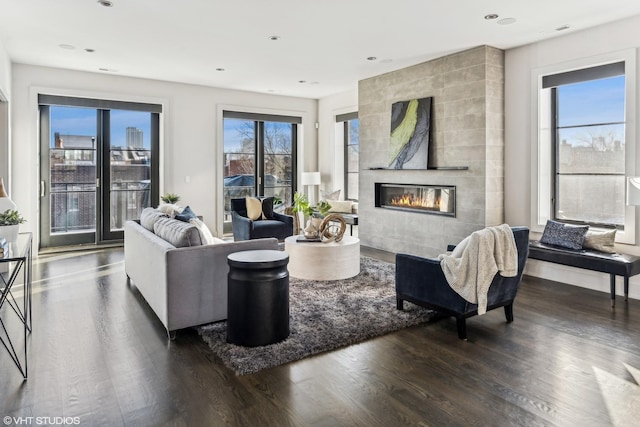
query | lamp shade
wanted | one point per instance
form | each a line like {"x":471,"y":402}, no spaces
{"x":633,"y":191}
{"x":310,"y":178}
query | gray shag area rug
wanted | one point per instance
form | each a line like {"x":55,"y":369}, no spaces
{"x":325,"y":315}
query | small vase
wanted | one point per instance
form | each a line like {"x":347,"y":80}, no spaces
{"x":10,"y":232}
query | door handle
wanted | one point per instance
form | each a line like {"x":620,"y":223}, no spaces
{"x":41,"y":188}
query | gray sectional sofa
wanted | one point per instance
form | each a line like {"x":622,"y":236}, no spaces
{"x":182,"y":280}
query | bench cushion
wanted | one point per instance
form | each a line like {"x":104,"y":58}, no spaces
{"x":618,"y":264}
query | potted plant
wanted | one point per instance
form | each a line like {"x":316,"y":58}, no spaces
{"x":170,"y":198}
{"x":10,"y":221}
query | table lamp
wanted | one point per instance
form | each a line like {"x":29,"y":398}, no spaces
{"x":311,"y":179}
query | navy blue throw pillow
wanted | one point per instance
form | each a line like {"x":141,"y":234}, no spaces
{"x":267,"y":207}
{"x":564,"y":235}
{"x":186,"y":214}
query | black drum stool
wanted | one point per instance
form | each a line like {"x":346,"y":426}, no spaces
{"x":258,"y":300}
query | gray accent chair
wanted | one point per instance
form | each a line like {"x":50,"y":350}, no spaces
{"x":422,"y":282}
{"x":276,"y":225}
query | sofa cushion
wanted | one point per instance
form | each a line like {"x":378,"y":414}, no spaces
{"x":564,"y":235}
{"x":180,"y":234}
{"x":149,"y":216}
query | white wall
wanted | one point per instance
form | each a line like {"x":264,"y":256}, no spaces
{"x":191,"y":143}
{"x":5,"y":128}
{"x":519,"y":120}
{"x":330,"y":141}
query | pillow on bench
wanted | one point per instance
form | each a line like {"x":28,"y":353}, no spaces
{"x":602,"y":241}
{"x":564,"y":235}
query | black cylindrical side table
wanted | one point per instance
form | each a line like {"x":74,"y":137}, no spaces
{"x":258,"y":300}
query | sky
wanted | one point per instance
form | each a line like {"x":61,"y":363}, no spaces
{"x":82,"y":121}
{"x":596,"y":101}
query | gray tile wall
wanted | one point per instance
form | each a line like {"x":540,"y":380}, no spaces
{"x":467,"y":130}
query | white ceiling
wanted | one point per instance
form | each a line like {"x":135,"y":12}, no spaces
{"x":324,"y":43}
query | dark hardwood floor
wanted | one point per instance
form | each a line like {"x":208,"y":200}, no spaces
{"x":97,"y":352}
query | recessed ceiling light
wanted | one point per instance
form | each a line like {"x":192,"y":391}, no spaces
{"x":66,"y":46}
{"x":219,"y":69}
{"x":491,"y":16}
{"x":271,"y":90}
{"x":110,"y":70}
{"x":386,"y":61}
{"x":105,"y":3}
{"x":371,"y":58}
{"x":302,"y":81}
{"x":89,"y":50}
{"x":564,"y":27}
{"x":506,"y":21}
{"x":274,"y":38}
{"x":315,"y":83}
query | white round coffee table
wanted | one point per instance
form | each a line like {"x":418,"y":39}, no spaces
{"x":323,"y":261}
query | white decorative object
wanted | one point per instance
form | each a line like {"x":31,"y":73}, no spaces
{"x":311,"y":179}
{"x":323,"y":261}
{"x":5,"y":201}
{"x":10,"y":232}
{"x":633,"y":191}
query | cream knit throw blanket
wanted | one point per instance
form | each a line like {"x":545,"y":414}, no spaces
{"x":472,"y":265}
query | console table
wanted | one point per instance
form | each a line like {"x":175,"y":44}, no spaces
{"x":16,"y":262}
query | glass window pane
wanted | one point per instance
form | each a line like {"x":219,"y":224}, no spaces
{"x":592,"y":198}
{"x":592,"y":149}
{"x":590,"y":169}
{"x":72,"y":169}
{"x":130,"y":190}
{"x":352,"y":161}
{"x":591,"y":102}
{"x":239,"y":161}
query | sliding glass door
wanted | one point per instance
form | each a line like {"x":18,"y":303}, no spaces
{"x":98,"y":169}
{"x":259,"y":158}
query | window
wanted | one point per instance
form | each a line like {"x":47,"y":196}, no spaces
{"x":259,"y":157}
{"x":351,"y":154}
{"x":589,"y":145}
{"x":585,"y":143}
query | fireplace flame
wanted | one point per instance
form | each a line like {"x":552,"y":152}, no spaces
{"x":412,"y":201}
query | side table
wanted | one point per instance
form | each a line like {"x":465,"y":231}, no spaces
{"x":16,"y":259}
{"x":258,"y":297}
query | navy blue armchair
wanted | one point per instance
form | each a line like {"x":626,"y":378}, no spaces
{"x":422,"y":282}
{"x":278,"y":225}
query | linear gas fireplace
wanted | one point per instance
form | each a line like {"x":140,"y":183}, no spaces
{"x":429,"y":199}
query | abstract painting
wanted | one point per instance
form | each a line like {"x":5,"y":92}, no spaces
{"x":410,"y":133}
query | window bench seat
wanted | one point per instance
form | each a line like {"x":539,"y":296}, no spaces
{"x":615,"y":264}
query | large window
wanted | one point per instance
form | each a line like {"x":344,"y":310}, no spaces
{"x":351,"y":154}
{"x":588,"y":107}
{"x":99,"y":167}
{"x":259,"y":157}
{"x":586,"y":143}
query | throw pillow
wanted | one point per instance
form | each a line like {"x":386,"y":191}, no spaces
{"x":602,"y":241}
{"x":340,"y":206}
{"x":564,"y":235}
{"x":254,"y":208}
{"x":267,"y":208}
{"x":169,"y":209}
{"x":186,"y":215}
{"x":330,"y":195}
{"x":205,"y":234}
